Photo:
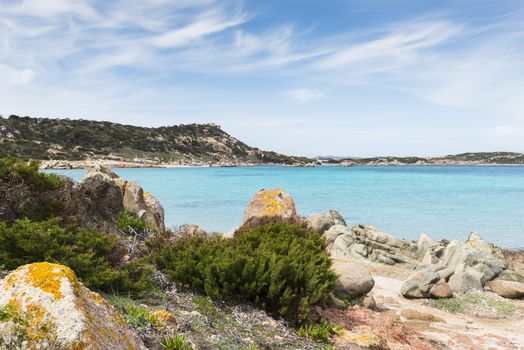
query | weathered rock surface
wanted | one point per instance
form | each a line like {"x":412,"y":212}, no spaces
{"x":367,"y":243}
{"x":466,"y":279}
{"x":441,"y":290}
{"x":339,"y":240}
{"x":98,"y":198}
{"x":354,"y":279}
{"x":419,"y":284}
{"x":270,"y":203}
{"x":507,"y":289}
{"x":49,"y":305}
{"x":141,"y":204}
{"x":324,"y":221}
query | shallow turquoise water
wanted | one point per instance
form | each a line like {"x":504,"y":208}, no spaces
{"x":442,"y":201}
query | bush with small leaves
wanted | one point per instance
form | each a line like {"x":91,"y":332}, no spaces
{"x":280,"y":266}
{"x":85,"y":251}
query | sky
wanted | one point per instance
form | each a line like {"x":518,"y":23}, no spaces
{"x":301,"y":77}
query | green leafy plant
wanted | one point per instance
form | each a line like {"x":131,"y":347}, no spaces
{"x":127,"y":223}
{"x":85,"y":251}
{"x":322,"y":331}
{"x":176,"y":342}
{"x":134,"y":314}
{"x":279,"y":266}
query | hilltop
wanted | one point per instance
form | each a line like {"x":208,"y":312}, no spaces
{"x":76,"y":140}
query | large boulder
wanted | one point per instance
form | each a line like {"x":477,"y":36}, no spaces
{"x":466,"y":279}
{"x":507,"y":289}
{"x":334,"y":232}
{"x":441,"y":290}
{"x":97,"y":198}
{"x":141,"y":204}
{"x":377,"y":246}
{"x":274,"y":203}
{"x":324,"y":221}
{"x":354,"y":280}
{"x":419,"y":284}
{"x":46,"y":307}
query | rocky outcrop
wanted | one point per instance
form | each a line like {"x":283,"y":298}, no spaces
{"x":419,"y":284}
{"x":46,"y":307}
{"x":368,"y":244}
{"x":507,"y":289}
{"x":354,"y":280}
{"x":324,"y":221}
{"x":275,"y":203}
{"x":132,"y":197}
{"x":97,"y":198}
{"x":441,"y":268}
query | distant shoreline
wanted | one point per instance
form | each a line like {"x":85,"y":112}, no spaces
{"x":81,"y":164}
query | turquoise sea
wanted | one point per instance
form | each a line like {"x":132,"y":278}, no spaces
{"x":442,"y":201}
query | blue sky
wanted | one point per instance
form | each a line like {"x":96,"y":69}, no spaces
{"x":361,"y":78}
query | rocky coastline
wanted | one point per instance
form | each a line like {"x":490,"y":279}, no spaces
{"x":390,"y":293}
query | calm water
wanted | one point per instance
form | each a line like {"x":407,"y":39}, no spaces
{"x":442,"y":201}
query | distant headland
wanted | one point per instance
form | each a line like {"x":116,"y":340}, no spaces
{"x":69,"y":143}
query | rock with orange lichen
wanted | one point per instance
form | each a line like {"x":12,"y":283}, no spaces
{"x":270,"y":203}
{"x":44,"y":306}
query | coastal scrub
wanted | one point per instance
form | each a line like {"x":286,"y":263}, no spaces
{"x":282,"y":267}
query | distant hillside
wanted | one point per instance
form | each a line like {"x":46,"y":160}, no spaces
{"x":463,"y":158}
{"x":65,"y":139}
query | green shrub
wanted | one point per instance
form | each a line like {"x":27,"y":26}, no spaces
{"x":85,"y":251}
{"x":27,"y":192}
{"x":134,"y":314}
{"x":128,"y":224}
{"x":322,"y":331}
{"x":279,"y":266}
{"x":176,"y":342}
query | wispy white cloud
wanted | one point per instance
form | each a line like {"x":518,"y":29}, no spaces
{"x":94,"y":55}
{"x":304,"y":95}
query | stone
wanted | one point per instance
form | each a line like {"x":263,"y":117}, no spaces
{"x":333,"y":232}
{"x":415,"y":315}
{"x":507,"y":289}
{"x":59,"y":312}
{"x":275,"y":203}
{"x":341,"y":247}
{"x":446,"y":273}
{"x":419,"y":284}
{"x":354,"y":280}
{"x":441,"y":290}
{"x":324,"y":221}
{"x":369,"y":302}
{"x":424,"y":243}
{"x":384,"y":248}
{"x":144,"y":205}
{"x":98,"y":198}
{"x":466,"y":279}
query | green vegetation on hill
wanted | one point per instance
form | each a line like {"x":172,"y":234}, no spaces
{"x":41,"y":138}
{"x":463,"y":158}
{"x":279,"y":266}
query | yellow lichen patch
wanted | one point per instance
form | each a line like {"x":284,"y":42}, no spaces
{"x":164,"y":316}
{"x":361,"y":335}
{"x":48,"y":277}
{"x":272,"y":201}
